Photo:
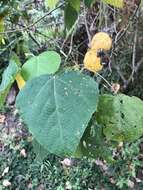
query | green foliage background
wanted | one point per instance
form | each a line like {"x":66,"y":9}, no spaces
{"x":53,"y":34}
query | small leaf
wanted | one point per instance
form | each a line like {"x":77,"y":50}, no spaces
{"x":16,"y":59}
{"x":4,"y":10}
{"x":20,"y":81}
{"x":75,"y":4}
{"x":51,"y":3}
{"x":115,"y":3}
{"x":71,"y":16}
{"x":46,"y":63}
{"x":7,"y":80}
{"x":58,"y":108}
{"x":124,"y":120}
{"x":88,"y":3}
{"x":93,"y":143}
{"x":1,"y":30}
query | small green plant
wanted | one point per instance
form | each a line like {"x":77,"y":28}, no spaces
{"x":64,"y":110}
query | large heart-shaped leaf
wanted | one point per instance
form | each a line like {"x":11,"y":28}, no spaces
{"x":7,"y":79}
{"x":121,"y":116}
{"x":58,"y":108}
{"x":46,"y":63}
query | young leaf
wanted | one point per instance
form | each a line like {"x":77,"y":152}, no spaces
{"x":88,"y":3}
{"x":71,"y":16}
{"x":58,"y":108}
{"x":7,"y":80}
{"x":47,"y":62}
{"x":115,"y":3}
{"x":1,"y":29}
{"x":93,"y":143}
{"x":20,"y":81}
{"x":124,"y":120}
{"x":51,"y":3}
{"x":75,"y":4}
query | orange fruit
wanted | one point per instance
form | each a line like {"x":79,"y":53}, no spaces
{"x":101,"y":40}
{"x":92,"y":62}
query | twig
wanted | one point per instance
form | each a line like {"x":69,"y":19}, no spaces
{"x":135,"y":71}
{"x":134,"y":52}
{"x":134,"y":67}
{"x":11,"y":43}
{"x":71,"y":46}
{"x":33,"y":38}
{"x":93,"y":22}
{"x":120,"y":74}
{"x":104,"y":80}
{"x":68,"y":34}
{"x":86,"y":26}
{"x":123,"y":31}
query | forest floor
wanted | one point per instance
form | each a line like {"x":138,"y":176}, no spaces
{"x":20,"y":170}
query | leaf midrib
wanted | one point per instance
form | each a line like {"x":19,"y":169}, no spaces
{"x":58,"y":114}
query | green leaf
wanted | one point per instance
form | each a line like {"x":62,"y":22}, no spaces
{"x":15,"y":59}
{"x":115,"y":3}
{"x":4,"y":9}
{"x":71,"y":16}
{"x":75,"y":4}
{"x":121,"y":116}
{"x":51,"y":3}
{"x":88,"y":3}
{"x":1,"y":29}
{"x":40,"y":152}
{"x":58,"y":108}
{"x":93,"y":143}
{"x":46,"y":63}
{"x":7,"y":80}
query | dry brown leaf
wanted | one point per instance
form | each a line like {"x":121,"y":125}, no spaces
{"x":67,"y":162}
{"x":6,"y":183}
{"x":131,"y":184}
{"x":2,"y":119}
{"x":6,"y":170}
{"x":115,"y":88}
{"x":23,"y":153}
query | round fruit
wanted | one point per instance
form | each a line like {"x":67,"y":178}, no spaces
{"x":101,"y":40}
{"x":92,"y":62}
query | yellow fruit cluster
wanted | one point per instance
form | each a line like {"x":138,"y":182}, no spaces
{"x":100,"y":41}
